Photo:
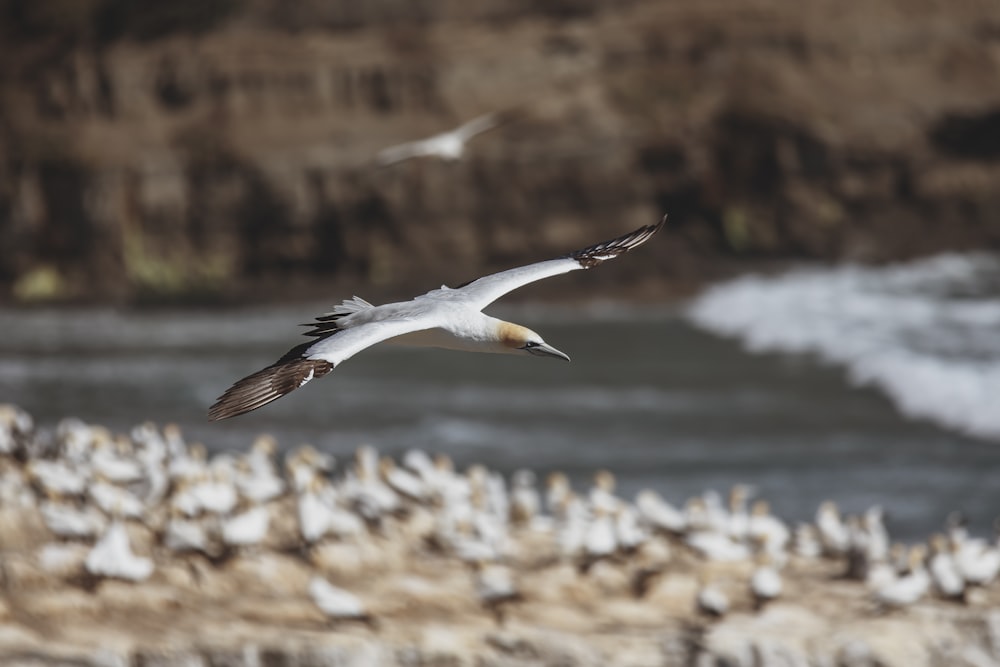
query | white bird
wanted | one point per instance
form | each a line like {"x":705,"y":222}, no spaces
{"x":765,"y":582}
{"x":711,"y":599}
{"x":495,"y":586}
{"x":319,"y":513}
{"x":908,"y":588}
{"x":16,"y":428}
{"x":978,"y":563}
{"x":600,"y":540}
{"x":717,"y":546}
{"x":112,"y":557}
{"x":525,"y":503}
{"x":767,"y":529}
{"x":59,"y":478}
{"x":258,"y":479}
{"x":807,"y":544}
{"x":247,"y":528}
{"x":402,"y":481}
{"x":182,"y":535}
{"x":446,"y":145}
{"x":628,"y":530}
{"x":943,"y":569}
{"x":69,"y":521}
{"x":336,"y":603}
{"x":660,"y":514}
{"x":115,"y":500}
{"x":832,"y":531}
{"x":447,"y":318}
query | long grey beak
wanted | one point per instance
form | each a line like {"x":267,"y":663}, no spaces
{"x":545,"y":350}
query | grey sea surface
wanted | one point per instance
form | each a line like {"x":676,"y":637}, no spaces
{"x":647,"y":396}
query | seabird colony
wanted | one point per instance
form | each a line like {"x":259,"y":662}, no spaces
{"x":83,"y":505}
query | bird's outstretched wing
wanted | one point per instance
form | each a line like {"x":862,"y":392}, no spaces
{"x":477,"y":125}
{"x":311,"y":360}
{"x":401,"y":152}
{"x":486,"y":290}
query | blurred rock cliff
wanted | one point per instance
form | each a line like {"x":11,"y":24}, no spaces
{"x":225,"y":148}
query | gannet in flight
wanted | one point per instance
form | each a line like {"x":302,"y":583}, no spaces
{"x":447,"y":318}
{"x":447,"y":145}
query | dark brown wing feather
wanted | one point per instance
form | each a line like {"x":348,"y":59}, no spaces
{"x":601,"y":252}
{"x":269,"y":384}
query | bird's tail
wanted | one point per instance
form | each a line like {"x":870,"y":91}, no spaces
{"x":268,"y":384}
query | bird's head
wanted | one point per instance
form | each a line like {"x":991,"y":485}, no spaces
{"x":522,"y":340}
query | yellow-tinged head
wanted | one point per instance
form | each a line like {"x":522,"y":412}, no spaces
{"x":518,"y":339}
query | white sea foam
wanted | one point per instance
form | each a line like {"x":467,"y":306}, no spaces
{"x":927,"y":333}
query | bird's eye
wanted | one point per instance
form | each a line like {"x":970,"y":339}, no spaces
{"x":530,"y":344}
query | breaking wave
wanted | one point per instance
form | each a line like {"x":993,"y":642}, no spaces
{"x":927,"y":333}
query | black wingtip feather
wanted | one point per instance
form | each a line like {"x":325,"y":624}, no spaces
{"x":601,"y":252}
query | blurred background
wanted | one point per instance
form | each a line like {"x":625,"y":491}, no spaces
{"x":216,"y":158}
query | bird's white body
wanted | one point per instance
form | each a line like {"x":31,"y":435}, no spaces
{"x":446,"y":145}
{"x":69,"y":521}
{"x":765,"y":583}
{"x":444,"y":318}
{"x":910,"y":587}
{"x":112,"y":556}
{"x":246,"y":528}
{"x":712,"y":600}
{"x":494,"y":583}
{"x":335,"y":602}
{"x":660,"y":514}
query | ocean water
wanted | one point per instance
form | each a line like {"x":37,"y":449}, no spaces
{"x":926,"y":333}
{"x":652,"y":394}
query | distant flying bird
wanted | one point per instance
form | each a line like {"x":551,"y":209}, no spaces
{"x":446,"y":318}
{"x":447,"y":145}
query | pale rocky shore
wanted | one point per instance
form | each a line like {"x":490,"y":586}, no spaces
{"x":139,"y":549}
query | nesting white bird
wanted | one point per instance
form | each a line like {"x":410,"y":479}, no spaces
{"x":16,"y":427}
{"x":336,"y":603}
{"x":114,"y":499}
{"x":246,"y":529}
{"x":833,"y":533}
{"x":947,"y":578}
{"x":319,"y":513}
{"x":70,"y":521}
{"x":711,"y":599}
{"x":806,"y":543}
{"x":58,"y":477}
{"x":660,"y":514}
{"x":445,"y":318}
{"x":717,"y":546}
{"x":402,"y":481}
{"x":525,"y":502}
{"x":765,"y":582}
{"x":629,"y":531}
{"x":767,"y":529}
{"x":910,"y":587}
{"x":557,"y":490}
{"x":364,"y":489}
{"x":112,"y":556}
{"x":182,"y":535}
{"x":602,"y":493}
{"x":495,"y":586}
{"x":113,"y":466}
{"x":977,"y":561}
{"x":572,"y":526}
{"x":877,"y":542}
{"x":216,"y":493}
{"x":601,"y":539}
{"x":257,"y":478}
{"x":739,"y":516}
{"x":446,"y":145}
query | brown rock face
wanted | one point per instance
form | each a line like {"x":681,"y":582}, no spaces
{"x":225,"y":148}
